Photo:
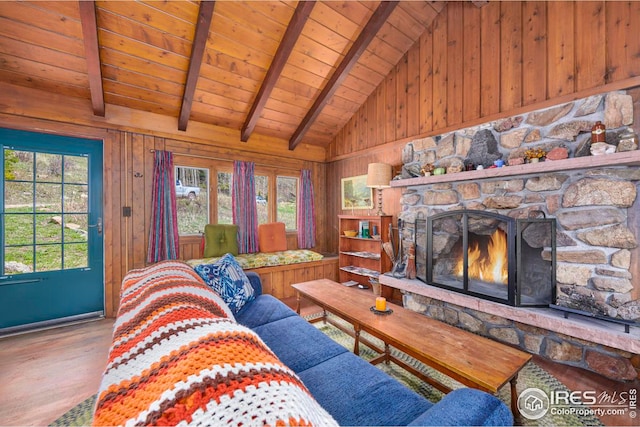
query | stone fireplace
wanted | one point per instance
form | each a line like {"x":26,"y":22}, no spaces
{"x":593,"y":202}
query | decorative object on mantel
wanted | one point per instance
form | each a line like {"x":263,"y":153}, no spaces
{"x":378,"y":177}
{"x":628,"y":141}
{"x":427,"y":169}
{"x":534,"y":155}
{"x":600,"y":148}
{"x":557,"y":153}
{"x":598,"y":133}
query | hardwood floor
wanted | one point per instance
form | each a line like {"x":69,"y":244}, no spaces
{"x":44,"y":374}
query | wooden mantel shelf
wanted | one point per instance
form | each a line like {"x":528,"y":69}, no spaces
{"x":627,"y":158}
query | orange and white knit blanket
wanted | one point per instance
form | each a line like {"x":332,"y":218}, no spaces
{"x":179,"y":357}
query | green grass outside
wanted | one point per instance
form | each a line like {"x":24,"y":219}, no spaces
{"x":46,"y":245}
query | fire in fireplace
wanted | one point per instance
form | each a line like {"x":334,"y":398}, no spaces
{"x":492,"y":256}
{"x":486,"y":259}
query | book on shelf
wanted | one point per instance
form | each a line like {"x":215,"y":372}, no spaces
{"x":360,"y":271}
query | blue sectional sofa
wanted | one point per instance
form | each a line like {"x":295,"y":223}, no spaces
{"x":353,"y":391}
{"x":219,"y":352}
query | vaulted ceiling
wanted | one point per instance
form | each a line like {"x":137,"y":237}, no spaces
{"x":292,"y":70}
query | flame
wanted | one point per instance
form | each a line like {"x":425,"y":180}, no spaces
{"x":487,"y":264}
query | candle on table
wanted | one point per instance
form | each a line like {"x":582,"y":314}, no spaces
{"x":381,"y":304}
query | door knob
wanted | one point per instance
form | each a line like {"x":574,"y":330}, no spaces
{"x":98,"y":225}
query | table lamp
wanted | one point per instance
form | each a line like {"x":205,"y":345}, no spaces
{"x":378,"y":177}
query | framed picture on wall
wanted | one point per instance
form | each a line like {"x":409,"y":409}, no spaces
{"x":355,"y":193}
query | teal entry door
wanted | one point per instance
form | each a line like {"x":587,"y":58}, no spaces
{"x":51,"y":240}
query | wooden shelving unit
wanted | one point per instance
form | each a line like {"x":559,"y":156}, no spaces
{"x":361,"y":258}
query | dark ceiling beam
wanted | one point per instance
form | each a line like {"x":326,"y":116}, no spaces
{"x":92,"y":53}
{"x":368,"y":33}
{"x":294,"y":29}
{"x":205,"y":16}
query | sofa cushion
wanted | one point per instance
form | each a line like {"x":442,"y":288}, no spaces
{"x":272,"y":237}
{"x":266,"y":259}
{"x":468,"y":407}
{"x":220,"y":239}
{"x":297,"y":343}
{"x":381,"y":400}
{"x":263,"y":309}
{"x":227,"y":278}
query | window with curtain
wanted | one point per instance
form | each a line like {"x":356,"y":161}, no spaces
{"x":192,"y":199}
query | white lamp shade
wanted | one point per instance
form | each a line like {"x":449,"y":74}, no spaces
{"x":378,"y":175}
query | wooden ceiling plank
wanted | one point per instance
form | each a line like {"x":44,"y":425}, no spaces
{"x":294,"y":29}
{"x":374,"y":24}
{"x":44,"y":84}
{"x":30,"y":34}
{"x":92,"y":50}
{"x":205,"y":14}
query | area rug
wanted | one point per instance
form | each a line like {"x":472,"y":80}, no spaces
{"x":531,"y":376}
{"x":79,"y":415}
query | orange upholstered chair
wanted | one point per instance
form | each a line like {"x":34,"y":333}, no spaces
{"x":272,"y":237}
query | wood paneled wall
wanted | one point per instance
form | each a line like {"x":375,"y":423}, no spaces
{"x":474,"y":65}
{"x":128,"y":171}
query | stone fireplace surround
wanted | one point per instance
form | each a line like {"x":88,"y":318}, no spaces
{"x":594,"y":200}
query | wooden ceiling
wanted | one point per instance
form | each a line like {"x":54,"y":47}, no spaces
{"x":292,"y":70}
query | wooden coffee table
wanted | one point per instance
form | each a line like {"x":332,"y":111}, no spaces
{"x":472,"y":360}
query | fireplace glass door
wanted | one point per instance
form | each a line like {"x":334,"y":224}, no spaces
{"x":491,"y":256}
{"x":473,"y":253}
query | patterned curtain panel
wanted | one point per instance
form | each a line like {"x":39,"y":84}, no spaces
{"x":163,"y":236}
{"x":245,"y":210}
{"x":306,"y":212}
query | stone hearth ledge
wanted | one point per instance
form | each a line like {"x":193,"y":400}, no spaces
{"x":576,"y":326}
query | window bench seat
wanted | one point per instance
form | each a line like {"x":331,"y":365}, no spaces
{"x":279,"y":270}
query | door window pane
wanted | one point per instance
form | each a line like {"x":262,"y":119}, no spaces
{"x":18,"y":195}
{"x":76,"y":170}
{"x":18,"y":165}
{"x":48,"y":257}
{"x":49,"y":197}
{"x":48,"y":167}
{"x":192,"y":199}
{"x":48,"y":228}
{"x":75,"y":255}
{"x":225,"y":182}
{"x":76,"y":198}
{"x":19,"y":228}
{"x":287,"y":194}
{"x":75,"y":228}
{"x":18,"y":259}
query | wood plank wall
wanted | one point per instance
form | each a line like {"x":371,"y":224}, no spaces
{"x":474,"y":65}
{"x":128,"y":172}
